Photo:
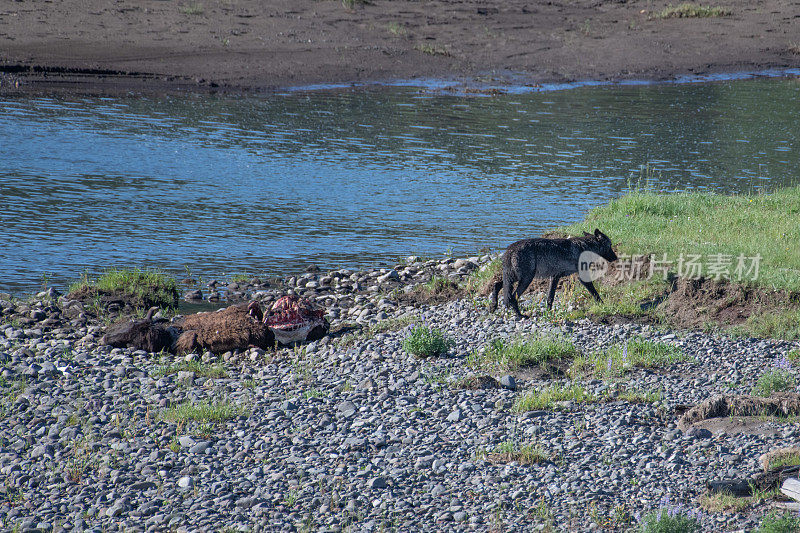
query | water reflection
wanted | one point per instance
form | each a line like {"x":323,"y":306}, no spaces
{"x":268,"y":186}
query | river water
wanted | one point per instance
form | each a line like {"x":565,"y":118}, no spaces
{"x":267,"y":186}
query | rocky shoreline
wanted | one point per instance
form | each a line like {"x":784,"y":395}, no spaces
{"x":352,"y":433}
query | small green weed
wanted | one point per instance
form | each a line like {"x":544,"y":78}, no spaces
{"x":424,"y":341}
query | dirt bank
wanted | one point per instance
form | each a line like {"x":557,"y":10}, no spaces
{"x":245,"y":45}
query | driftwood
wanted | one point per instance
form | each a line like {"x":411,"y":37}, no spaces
{"x":791,"y":488}
{"x":783,"y":404}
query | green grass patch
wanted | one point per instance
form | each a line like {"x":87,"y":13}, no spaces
{"x":205,"y":411}
{"x":776,"y":379}
{"x":622,"y":358}
{"x":774,"y":325}
{"x":511,"y":450}
{"x":144,"y":288}
{"x":509,"y":355}
{"x":550,"y":397}
{"x":637,"y":298}
{"x":775,"y":522}
{"x":794,"y":355}
{"x":708,"y":224}
{"x":214,"y":371}
{"x":689,"y":10}
{"x":424,"y":341}
{"x":480,"y":277}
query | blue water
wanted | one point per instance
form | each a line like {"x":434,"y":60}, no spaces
{"x":220,"y":185}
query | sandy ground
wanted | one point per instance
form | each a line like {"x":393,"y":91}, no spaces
{"x":254,"y":46}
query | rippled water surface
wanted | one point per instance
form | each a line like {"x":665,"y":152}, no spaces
{"x":270,"y":185}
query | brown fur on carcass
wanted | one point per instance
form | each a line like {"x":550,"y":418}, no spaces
{"x":783,"y":404}
{"x":235,"y":327}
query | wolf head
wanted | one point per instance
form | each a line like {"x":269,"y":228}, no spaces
{"x":604,"y":248}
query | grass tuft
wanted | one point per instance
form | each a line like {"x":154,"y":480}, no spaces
{"x":214,"y":371}
{"x":669,"y":519}
{"x":205,"y":411}
{"x":776,"y":379}
{"x":479,"y":278}
{"x":779,"y":523}
{"x":432,"y":50}
{"x":424,"y":341}
{"x":550,"y":398}
{"x":775,"y":325}
{"x":689,"y":10}
{"x":146,"y":287}
{"x":511,"y":450}
{"x":624,"y":357}
{"x":522,"y":352}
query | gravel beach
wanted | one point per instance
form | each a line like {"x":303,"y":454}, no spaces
{"x":352,"y":433}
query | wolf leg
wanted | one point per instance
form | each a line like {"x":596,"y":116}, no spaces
{"x":508,"y":296}
{"x":551,"y":292}
{"x":590,"y":287}
{"x":495,"y":290}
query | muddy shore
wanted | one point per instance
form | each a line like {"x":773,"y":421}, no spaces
{"x":247,"y":46}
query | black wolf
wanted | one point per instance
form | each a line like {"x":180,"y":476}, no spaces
{"x":547,"y":258}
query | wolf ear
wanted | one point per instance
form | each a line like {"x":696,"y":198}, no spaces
{"x":598,"y":233}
